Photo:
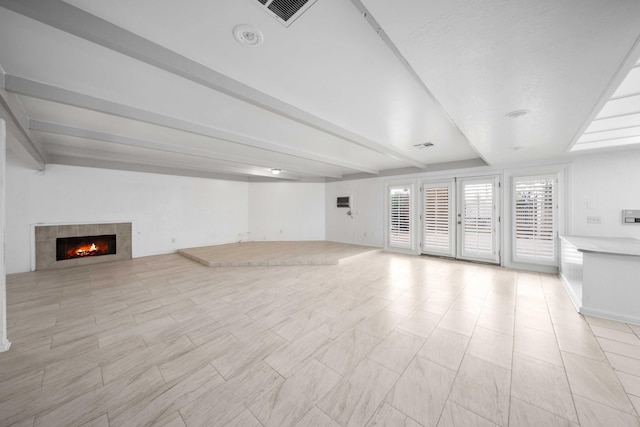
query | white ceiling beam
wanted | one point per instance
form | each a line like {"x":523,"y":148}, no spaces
{"x":124,"y":166}
{"x":39,"y":90}
{"x":59,"y":129}
{"x":19,"y":139}
{"x":61,"y":151}
{"x":80,"y":23}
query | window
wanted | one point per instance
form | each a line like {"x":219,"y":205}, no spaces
{"x":478,"y":220}
{"x":400,"y":217}
{"x":534,"y":219}
{"x":438,"y":233}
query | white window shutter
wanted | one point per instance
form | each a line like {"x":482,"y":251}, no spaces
{"x":400,"y":218}
{"x":437,"y":218}
{"x":535,"y":219}
{"x":478,"y":218}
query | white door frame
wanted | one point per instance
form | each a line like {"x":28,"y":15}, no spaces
{"x":456,"y":217}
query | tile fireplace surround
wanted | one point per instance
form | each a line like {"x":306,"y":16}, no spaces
{"x":45,"y":243}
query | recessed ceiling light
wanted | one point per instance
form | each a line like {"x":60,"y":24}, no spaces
{"x":248,"y":35}
{"x":517,"y":113}
{"x":276,"y":171}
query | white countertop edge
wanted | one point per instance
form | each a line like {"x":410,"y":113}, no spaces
{"x":607,"y":245}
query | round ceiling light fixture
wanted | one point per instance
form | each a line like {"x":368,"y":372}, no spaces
{"x":248,"y":35}
{"x":517,"y":113}
{"x":276,"y":171}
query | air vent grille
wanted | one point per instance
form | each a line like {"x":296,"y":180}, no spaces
{"x":423,"y":145}
{"x":286,"y":11}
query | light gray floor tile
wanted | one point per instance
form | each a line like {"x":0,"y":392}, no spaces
{"x":624,"y":363}
{"x":282,"y":406}
{"x":459,"y":321}
{"x":538,"y":345}
{"x":397,"y":350}
{"x":631,"y":383}
{"x":380,"y":324}
{"x":445,"y":348}
{"x":422,"y":391}
{"x":616,"y":335}
{"x":491,"y":346}
{"x":543,"y":385}
{"x":580,"y":341}
{"x":497,"y":320}
{"x":456,"y":416}
{"x":593,"y":414}
{"x":230,"y":399}
{"x":420,"y":323}
{"x":388,"y":416}
{"x":523,"y":414}
{"x":621,"y":348}
{"x":347,"y":351}
{"x":596,"y":381}
{"x":291,"y":357}
{"x":356,"y":397}
{"x":316,"y":418}
{"x":245,"y":419}
{"x":483,"y":388}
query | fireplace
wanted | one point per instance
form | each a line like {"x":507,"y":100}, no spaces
{"x":72,"y":245}
{"x":79,"y":247}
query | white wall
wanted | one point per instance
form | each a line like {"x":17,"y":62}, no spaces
{"x":366,"y":225}
{"x":286,"y":211}
{"x":602,"y":185}
{"x":167,"y":212}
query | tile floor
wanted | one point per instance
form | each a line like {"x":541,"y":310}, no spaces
{"x":379,"y":340}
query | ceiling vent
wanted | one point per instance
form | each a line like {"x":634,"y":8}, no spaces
{"x":423,"y":145}
{"x":286,"y":11}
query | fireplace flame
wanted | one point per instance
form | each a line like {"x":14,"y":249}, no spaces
{"x":84,"y":251}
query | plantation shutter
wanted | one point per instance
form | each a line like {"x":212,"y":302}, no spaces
{"x":400,"y":218}
{"x":437,"y":233}
{"x":535,"y":219}
{"x":477,"y":233}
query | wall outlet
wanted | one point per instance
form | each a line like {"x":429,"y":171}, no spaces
{"x":594,"y":220}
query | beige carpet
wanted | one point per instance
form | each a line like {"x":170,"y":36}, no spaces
{"x":274,"y":253}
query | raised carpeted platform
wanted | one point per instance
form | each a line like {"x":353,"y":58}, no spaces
{"x":273,"y":253}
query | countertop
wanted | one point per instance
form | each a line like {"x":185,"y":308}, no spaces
{"x":607,"y":245}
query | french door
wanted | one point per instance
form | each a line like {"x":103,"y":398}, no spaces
{"x":460,"y":218}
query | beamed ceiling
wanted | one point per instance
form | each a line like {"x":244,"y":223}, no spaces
{"x":348,"y":88}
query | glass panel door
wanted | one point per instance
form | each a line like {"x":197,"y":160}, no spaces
{"x":400,"y":217}
{"x":438,"y":219}
{"x":478,"y":219}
